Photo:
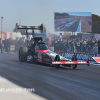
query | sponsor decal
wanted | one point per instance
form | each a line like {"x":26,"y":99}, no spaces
{"x":79,"y":56}
{"x":97,"y":59}
{"x":70,"y":62}
{"x":39,"y":57}
{"x":47,"y":60}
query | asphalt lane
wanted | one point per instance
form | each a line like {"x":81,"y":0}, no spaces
{"x":51,"y":83}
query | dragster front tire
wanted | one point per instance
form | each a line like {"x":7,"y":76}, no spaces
{"x":57,"y":58}
{"x":74,"y":58}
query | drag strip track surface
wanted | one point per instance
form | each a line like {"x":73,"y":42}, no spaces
{"x":51,"y":83}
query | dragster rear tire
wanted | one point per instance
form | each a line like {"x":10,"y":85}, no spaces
{"x":57,"y":58}
{"x":74,"y":58}
{"x":23,"y":54}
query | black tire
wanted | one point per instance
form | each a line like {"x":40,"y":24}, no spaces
{"x":57,"y":58}
{"x":24,"y":49}
{"x":23,"y":54}
{"x":74,"y":58}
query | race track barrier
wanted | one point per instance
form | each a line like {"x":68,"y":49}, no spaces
{"x":80,"y":56}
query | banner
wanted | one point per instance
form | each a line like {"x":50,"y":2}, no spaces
{"x":12,"y":47}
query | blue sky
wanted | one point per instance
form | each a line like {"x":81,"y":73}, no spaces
{"x":35,"y":12}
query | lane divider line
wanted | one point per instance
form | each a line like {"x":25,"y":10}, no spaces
{"x":79,"y":27}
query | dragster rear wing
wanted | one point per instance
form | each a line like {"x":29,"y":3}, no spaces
{"x":29,"y":27}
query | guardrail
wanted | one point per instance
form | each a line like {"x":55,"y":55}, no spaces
{"x":80,"y":56}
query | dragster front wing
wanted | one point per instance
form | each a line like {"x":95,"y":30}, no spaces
{"x":71,"y":62}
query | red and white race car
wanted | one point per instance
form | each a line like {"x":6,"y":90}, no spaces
{"x":39,"y":52}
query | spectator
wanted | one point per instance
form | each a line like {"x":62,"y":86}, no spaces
{"x":55,"y":45}
{"x":5,"y":45}
{"x":1,"y":42}
{"x":96,"y":43}
{"x":84,"y":45}
{"x":78,"y":46}
{"x":91,"y":45}
{"x":8,"y":44}
{"x":72,"y":46}
{"x":66,"y":46}
{"x":81,"y":48}
{"x":88,"y":46}
{"x":58,"y":45}
{"x":62,"y":45}
{"x":99,"y":46}
{"x":52,"y":44}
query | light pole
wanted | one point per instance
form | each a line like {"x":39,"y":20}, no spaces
{"x":1,"y":26}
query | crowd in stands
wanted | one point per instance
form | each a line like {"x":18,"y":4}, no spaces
{"x":61,"y":45}
{"x":75,"y":45}
{"x":5,"y":45}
